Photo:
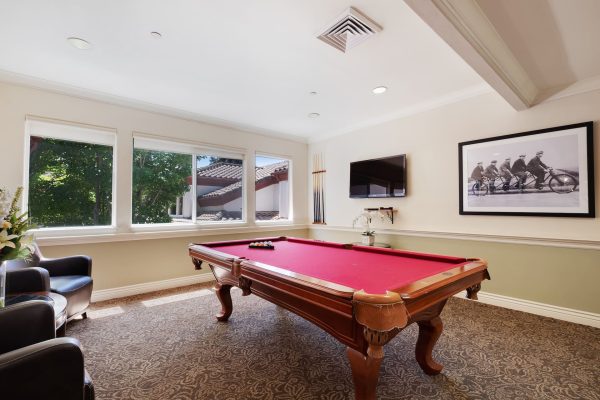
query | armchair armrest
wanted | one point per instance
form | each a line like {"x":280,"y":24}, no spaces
{"x":24,"y":324}
{"x":74,"y":265}
{"x":52,"y":369}
{"x":33,"y":279}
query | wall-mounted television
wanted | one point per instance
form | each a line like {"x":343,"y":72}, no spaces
{"x":381,"y":177}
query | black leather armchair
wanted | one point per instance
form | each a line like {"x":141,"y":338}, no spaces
{"x":33,"y":363}
{"x":72,"y":278}
{"x":67,"y":276}
{"x":21,"y":280}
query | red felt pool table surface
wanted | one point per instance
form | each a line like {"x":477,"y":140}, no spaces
{"x":357,"y":267}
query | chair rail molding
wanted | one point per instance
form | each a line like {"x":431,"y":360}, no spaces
{"x":479,"y":237}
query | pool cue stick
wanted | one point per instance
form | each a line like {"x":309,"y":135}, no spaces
{"x":318,"y":197}
{"x":323,"y":185}
{"x":319,"y":184}
{"x":316,"y":168}
{"x":314,"y":188}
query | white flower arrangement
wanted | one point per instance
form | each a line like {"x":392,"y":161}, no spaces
{"x":4,"y":204}
{"x":14,"y":240}
{"x":15,"y":243}
{"x":365,"y":219}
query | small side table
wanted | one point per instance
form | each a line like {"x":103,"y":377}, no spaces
{"x":59,"y":303}
{"x":376,"y":244}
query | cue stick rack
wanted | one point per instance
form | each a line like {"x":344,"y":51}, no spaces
{"x":318,"y":176}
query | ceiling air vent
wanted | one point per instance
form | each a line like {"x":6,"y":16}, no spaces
{"x":349,"y":30}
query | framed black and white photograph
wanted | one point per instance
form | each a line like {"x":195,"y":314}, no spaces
{"x":547,"y":172}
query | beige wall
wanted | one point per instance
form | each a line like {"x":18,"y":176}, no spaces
{"x":553,"y":275}
{"x":127,"y":262}
{"x":16,"y":102}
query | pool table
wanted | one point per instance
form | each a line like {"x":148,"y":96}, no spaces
{"x":363,"y":296}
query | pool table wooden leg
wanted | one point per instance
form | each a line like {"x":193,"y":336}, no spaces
{"x":365,"y":374}
{"x":429,"y":333}
{"x":224,"y":296}
{"x":472,"y":291}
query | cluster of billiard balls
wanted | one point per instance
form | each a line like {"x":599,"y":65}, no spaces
{"x":268,"y":244}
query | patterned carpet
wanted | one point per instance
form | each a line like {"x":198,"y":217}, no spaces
{"x":168,"y":345}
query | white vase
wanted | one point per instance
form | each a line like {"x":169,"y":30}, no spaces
{"x":3,"y":283}
{"x":368,"y":240}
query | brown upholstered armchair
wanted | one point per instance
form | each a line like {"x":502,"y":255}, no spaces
{"x":33,"y":363}
{"x":67,"y":276}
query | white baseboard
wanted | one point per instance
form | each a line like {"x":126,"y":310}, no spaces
{"x":131,"y":290}
{"x":545,"y":310}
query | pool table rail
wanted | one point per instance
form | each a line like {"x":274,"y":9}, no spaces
{"x":411,"y":291}
{"x":216,"y":257}
{"x":423,"y":286}
{"x":364,"y":322}
{"x":296,"y":292}
{"x":326,"y":307}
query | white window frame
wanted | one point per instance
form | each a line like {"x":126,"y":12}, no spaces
{"x":75,"y":132}
{"x":290,"y":219}
{"x":195,"y":149}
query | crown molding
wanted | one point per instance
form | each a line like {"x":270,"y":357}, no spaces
{"x":465,"y":27}
{"x":94,"y":95}
{"x":583,"y":86}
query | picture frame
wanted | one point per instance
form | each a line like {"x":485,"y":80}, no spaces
{"x":544,"y":173}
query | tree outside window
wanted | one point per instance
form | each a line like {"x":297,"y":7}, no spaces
{"x":160,"y":182}
{"x":163,"y":190}
{"x":70,"y":183}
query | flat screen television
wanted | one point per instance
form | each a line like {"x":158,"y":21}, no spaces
{"x":381,"y":177}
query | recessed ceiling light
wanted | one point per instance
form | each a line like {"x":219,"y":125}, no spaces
{"x":379,"y":89}
{"x":314,"y":115}
{"x":156,"y":35}
{"x":313,"y":93}
{"x":79,"y":43}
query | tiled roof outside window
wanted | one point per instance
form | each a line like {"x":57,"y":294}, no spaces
{"x":230,"y":171}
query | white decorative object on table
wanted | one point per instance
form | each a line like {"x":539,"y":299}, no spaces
{"x":365,"y":219}
{"x":368,"y":240}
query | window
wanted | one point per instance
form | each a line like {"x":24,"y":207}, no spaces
{"x":183,"y":183}
{"x":70,"y":176}
{"x":219,"y":188}
{"x":272,"y":185}
{"x":161,"y":186}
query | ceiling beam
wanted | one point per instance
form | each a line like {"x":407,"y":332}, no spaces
{"x":464,"y":26}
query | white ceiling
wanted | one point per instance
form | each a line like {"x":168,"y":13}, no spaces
{"x":556,"y":41}
{"x":243,"y":63}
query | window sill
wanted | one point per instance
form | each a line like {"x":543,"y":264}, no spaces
{"x":69,"y":238}
{"x":182,"y":227}
{"x":276,"y":222}
{"x":42,"y":233}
